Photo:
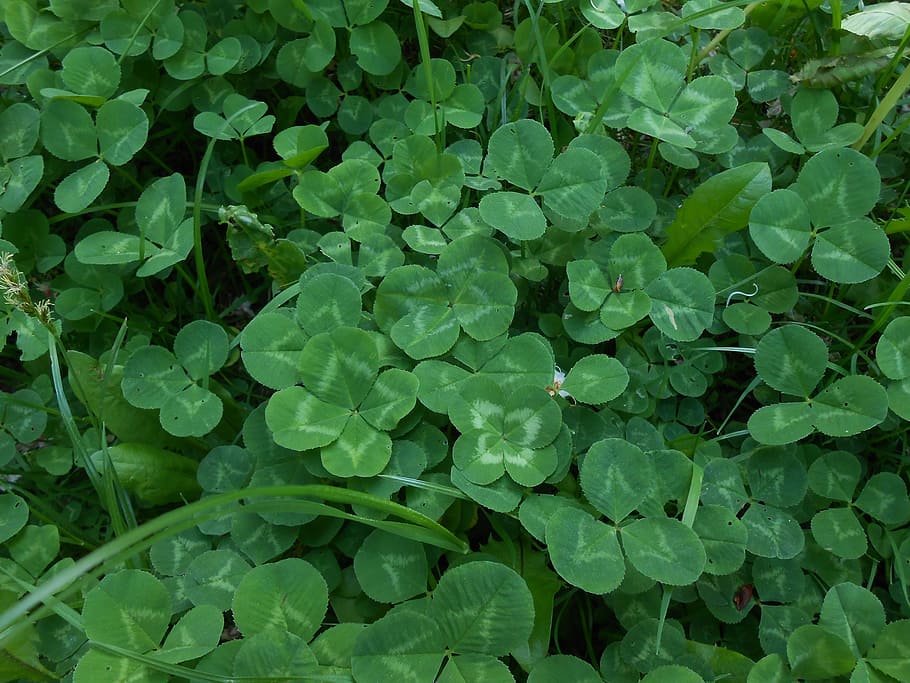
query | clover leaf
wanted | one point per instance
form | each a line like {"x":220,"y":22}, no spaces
{"x":424,"y":311}
{"x":345,"y":406}
{"x":165,"y":238}
{"x":500,"y":433}
{"x":154,"y":378}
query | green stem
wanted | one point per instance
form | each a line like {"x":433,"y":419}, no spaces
{"x":426,"y":64}
{"x":203,"y":287}
{"x":889,"y":102}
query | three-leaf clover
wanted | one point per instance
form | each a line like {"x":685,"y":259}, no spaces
{"x":500,"y":433}
{"x":178,"y":386}
{"x":792,"y":360}
{"x":345,"y":406}
{"x":424,"y":311}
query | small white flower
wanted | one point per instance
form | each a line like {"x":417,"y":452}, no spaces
{"x":558,"y":378}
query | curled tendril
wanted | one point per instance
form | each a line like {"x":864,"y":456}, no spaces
{"x":744,"y":294}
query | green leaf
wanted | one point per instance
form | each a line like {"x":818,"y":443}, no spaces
{"x":195,"y":634}
{"x":25,"y":174}
{"x":568,"y":188}
{"x":637,"y":260}
{"x":195,"y":411}
{"x":770,"y":669}
{"x":202,"y":348}
{"x":390,"y":568}
{"x":704,"y":107}
{"x":35,"y":547}
{"x":503,"y":495}
{"x":80,"y":188}
{"x":436,"y":203}
{"x":340,"y":366}
{"x":588,"y":286}
{"x":328,"y":301}
{"x":672,"y":673}
{"x":746,"y":318}
{"x":272,"y":345}
{"x":718,"y":207}
{"x":884,"y":497}
{"x":479,"y":405}
{"x":91,"y":71}
{"x":665,"y":550}
{"x":162,"y":207}
{"x":519,"y":153}
{"x":289,"y":595}
{"x":109,"y":248}
{"x":67,"y":131}
{"x":838,"y":531}
{"x":596,"y":379}
{"x":772,"y":532}
{"x":899,"y":398}
{"x":624,"y":309}
{"x":776,"y":478}
{"x":814,"y":114}
{"x":723,"y":536}
{"x":627,"y":209}
{"x":483,"y":608}
{"x":479,"y":455}
{"x":783,"y":141}
{"x":14,"y":517}
{"x":851,"y":252}
{"x":585,"y":552}
{"x":835,"y":475}
{"x":404,"y":645}
{"x":359,"y":451}
{"x":655,"y":72}
{"x":613,"y":157}
{"x":781,"y":423}
{"x":892,"y":351}
{"x":129,"y":609}
{"x":791,"y":359}
{"x":485,"y":304}
{"x":300,"y":421}
{"x":376,"y":47}
{"x":515,"y":215}
{"x":391,"y":397}
{"x":557,"y":668}
{"x":154,"y":475}
{"x":223,"y":56}
{"x":888,"y":21}
{"x":152,"y":377}
{"x":683,"y":303}
{"x":20,"y":124}
{"x":615,"y":476}
{"x":122,"y":131}
{"x":855,"y":614}
{"x":814,"y":652}
{"x":604,"y":15}
{"x":850,"y":405}
{"x":838,"y":185}
{"x":779,"y":225}
{"x":426,"y":332}
{"x":660,"y":126}
{"x":530,"y":417}
{"x":890,"y":653}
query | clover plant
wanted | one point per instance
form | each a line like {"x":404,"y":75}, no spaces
{"x":454,"y":341}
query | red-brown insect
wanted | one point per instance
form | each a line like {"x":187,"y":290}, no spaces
{"x":618,"y":286}
{"x":742,"y":596}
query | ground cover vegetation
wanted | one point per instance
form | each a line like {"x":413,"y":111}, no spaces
{"x":414,"y":341}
